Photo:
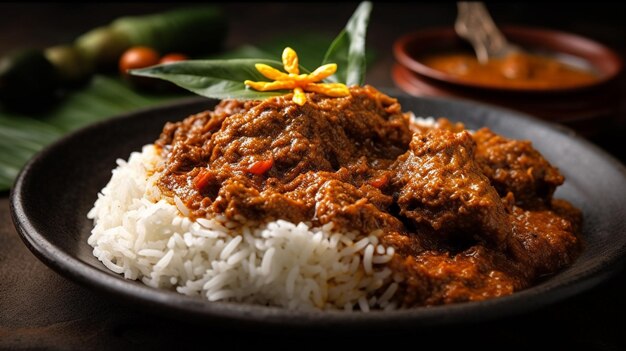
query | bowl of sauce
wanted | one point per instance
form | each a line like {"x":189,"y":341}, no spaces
{"x":558,"y":76}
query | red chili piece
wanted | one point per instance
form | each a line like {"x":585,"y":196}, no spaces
{"x":380,"y":181}
{"x":203,"y":179}
{"x":260,"y":167}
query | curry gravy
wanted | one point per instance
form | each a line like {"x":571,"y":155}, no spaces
{"x":517,"y":70}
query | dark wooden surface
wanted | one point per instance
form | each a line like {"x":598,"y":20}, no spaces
{"x":40,"y":309}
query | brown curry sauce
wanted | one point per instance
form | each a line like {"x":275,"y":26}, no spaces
{"x":470,"y":216}
{"x":516,"y":70}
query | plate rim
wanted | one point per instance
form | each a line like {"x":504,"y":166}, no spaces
{"x":178,"y":304}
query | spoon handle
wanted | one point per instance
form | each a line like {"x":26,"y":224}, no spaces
{"x":476,"y":25}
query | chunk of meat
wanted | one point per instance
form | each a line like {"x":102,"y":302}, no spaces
{"x":544,"y":240}
{"x":186,"y":142}
{"x":515,"y":166}
{"x":439,"y":184}
{"x":239,"y":197}
{"x":434,"y":278}
{"x":350,"y":207}
{"x":322,"y":135}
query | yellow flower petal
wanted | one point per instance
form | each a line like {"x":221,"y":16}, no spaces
{"x":300,"y":78}
{"x":330,"y":89}
{"x":296,"y":81}
{"x":270,"y":72}
{"x":290,"y":61}
{"x":298,"y":96}
{"x":322,"y":72}
{"x":267,"y":86}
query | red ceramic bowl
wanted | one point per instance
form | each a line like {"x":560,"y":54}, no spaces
{"x":588,"y":108}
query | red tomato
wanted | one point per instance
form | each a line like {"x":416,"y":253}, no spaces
{"x":138,"y":57}
{"x":173,"y":57}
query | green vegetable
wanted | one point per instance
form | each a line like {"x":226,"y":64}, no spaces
{"x":28,"y":81}
{"x":102,"y":47}
{"x":218,"y":79}
{"x":71,"y":66}
{"x":348,"y":49}
{"x":191,"y":31}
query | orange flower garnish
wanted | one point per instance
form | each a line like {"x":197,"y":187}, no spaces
{"x":296,"y":81}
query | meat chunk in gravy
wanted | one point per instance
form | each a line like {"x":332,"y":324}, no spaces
{"x":515,"y":166}
{"x":439,"y":184}
{"x":470,"y":217}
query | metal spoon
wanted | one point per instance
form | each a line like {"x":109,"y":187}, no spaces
{"x":476,"y":25}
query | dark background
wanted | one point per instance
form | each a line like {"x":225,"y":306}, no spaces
{"x":40,"y":309}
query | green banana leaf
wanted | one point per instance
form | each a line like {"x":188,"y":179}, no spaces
{"x":21,"y":136}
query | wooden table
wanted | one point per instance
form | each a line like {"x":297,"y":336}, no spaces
{"x":40,"y":309}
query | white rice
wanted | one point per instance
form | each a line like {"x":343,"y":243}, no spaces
{"x":426,"y":122}
{"x":144,"y":235}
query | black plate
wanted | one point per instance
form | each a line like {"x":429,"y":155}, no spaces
{"x":56,"y":189}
